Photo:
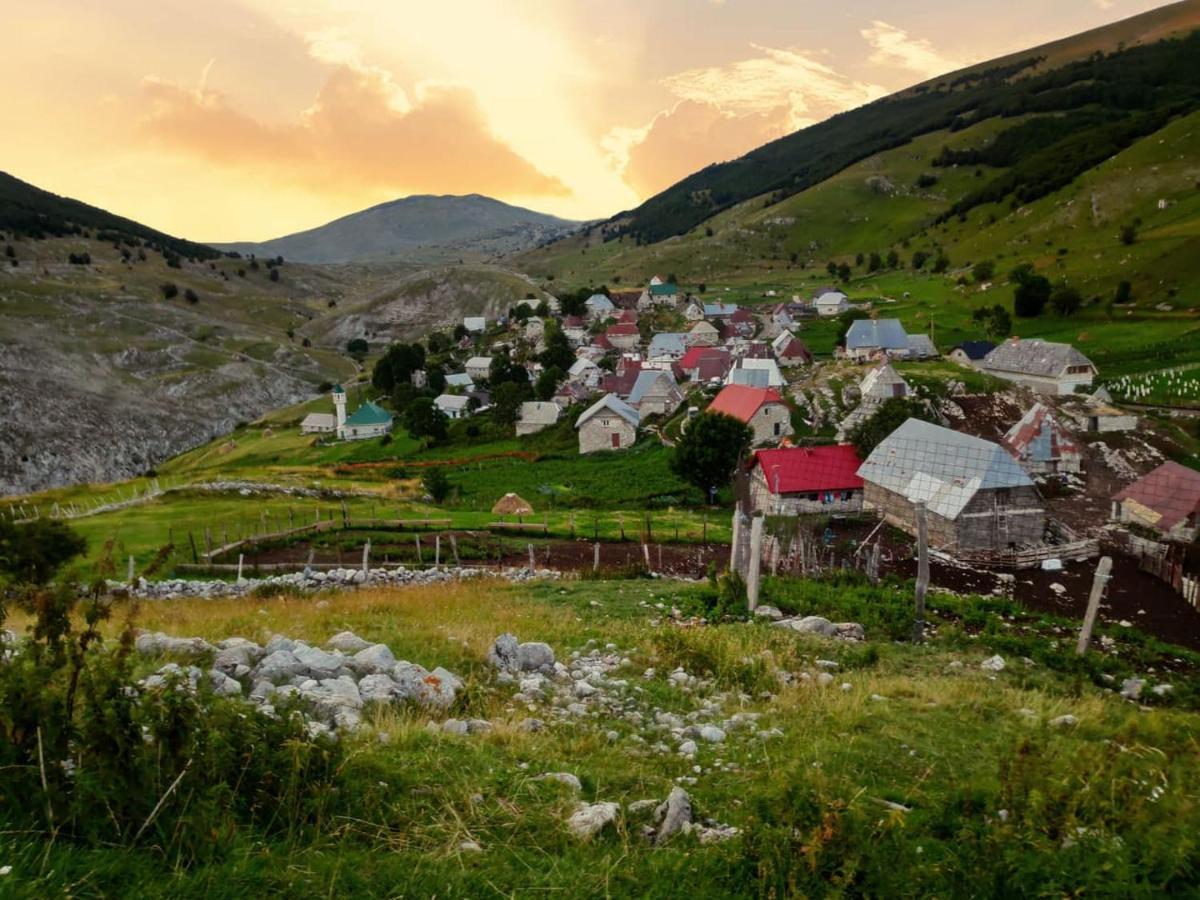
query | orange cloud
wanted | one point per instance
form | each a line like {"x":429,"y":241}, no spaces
{"x":362,"y":132}
{"x":691,"y":136}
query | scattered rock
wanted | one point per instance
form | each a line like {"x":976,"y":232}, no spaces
{"x":1131,"y":689}
{"x":565,"y":778}
{"x":588,"y":820}
{"x":1067,"y":721}
{"x":993,"y":664}
{"x":673,"y":815}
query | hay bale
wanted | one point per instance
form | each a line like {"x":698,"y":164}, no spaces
{"x":511,"y":505}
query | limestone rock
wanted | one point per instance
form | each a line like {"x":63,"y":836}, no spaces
{"x":589,"y":819}
{"x":673,"y":816}
{"x":347,"y":642}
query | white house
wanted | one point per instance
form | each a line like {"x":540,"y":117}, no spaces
{"x":536,"y":415}
{"x":455,"y":406}
{"x":478,"y":367}
{"x":475,"y":324}
{"x":319,"y":423}
{"x":694,"y":311}
{"x":830,"y":302}
{"x":461,"y":382}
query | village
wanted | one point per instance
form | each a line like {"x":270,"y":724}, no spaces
{"x":1027,"y":476}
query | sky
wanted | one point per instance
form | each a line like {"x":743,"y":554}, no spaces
{"x":248,"y":119}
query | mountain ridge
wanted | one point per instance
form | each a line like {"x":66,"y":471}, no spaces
{"x":417,"y":228}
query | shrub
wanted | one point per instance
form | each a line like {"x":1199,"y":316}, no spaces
{"x":168,"y":290}
{"x":191,"y":296}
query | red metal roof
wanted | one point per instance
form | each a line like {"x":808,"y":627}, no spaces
{"x":692,"y":358}
{"x":602,"y":342}
{"x":742,"y":401}
{"x":795,"y":349}
{"x":1171,"y":490}
{"x":797,"y":470}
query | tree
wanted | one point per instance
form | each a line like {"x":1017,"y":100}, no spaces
{"x":507,"y":400}
{"x":435,"y":379}
{"x":436,"y":484}
{"x":874,"y":262}
{"x":357,"y":347}
{"x":558,"y":353}
{"x":832,"y":268}
{"x":1124,"y":292}
{"x":191,"y":296}
{"x":919,"y":258}
{"x":504,"y":369}
{"x":460,"y":332}
{"x":424,"y":420}
{"x":1066,"y":300}
{"x":1032,"y":292}
{"x":996,"y":321}
{"x":547,"y":382}
{"x":710,"y":450}
{"x":274,"y":274}
{"x":891,"y":414}
{"x":941,"y":263}
{"x":845,"y":320}
{"x":520,"y":313}
{"x":169,"y":290}
{"x":1129,"y":233}
{"x":893,"y":259}
{"x":33,"y":552}
{"x":543,"y":309}
{"x":397,"y":365}
{"x":843,"y":272}
{"x":983,"y":270}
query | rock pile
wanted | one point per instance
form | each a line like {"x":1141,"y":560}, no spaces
{"x":331,"y":686}
{"x":318,"y":580}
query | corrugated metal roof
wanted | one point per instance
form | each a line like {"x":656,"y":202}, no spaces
{"x":867,"y":334}
{"x":1033,"y":356}
{"x":760,"y":378}
{"x":945,"y":468}
{"x":459,"y":379}
{"x":668,"y":343}
{"x":797,"y":470}
{"x":880,"y":381}
{"x":647,"y":380}
{"x":742,"y":401}
{"x":1040,"y":437}
{"x":1171,"y":490}
{"x":612,"y":403}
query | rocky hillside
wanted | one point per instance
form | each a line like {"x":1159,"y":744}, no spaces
{"x":424,"y":229}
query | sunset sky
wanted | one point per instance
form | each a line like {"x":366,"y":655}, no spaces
{"x":246,"y":119}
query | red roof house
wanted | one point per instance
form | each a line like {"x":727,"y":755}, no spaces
{"x":705,"y":363}
{"x":1166,"y":500}
{"x":795,"y":480}
{"x":762,"y":409}
{"x":623,"y":335}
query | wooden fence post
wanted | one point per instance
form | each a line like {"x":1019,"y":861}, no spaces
{"x":192,"y":541}
{"x":454,"y":550}
{"x":366,"y":561}
{"x":755,"y":567}
{"x":417,"y":538}
{"x":241,"y":559}
{"x":1099,"y":583}
{"x":437,"y":550}
{"x":922,"y":572}
{"x":129,"y":577}
{"x":532,"y":562}
{"x":596,"y":557}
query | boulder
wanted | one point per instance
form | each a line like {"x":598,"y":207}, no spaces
{"x":279,"y":667}
{"x":712,"y":734}
{"x":503,"y":653}
{"x":279,"y":642}
{"x":1067,"y":721}
{"x":440,"y":687}
{"x":534,"y":656}
{"x":814,"y":625}
{"x":377,"y":688}
{"x":993,"y":664}
{"x":673,"y":815}
{"x":589,"y":819}
{"x":347,"y":642}
{"x":317,"y":662}
{"x":565,"y":778}
{"x":373,"y":660}
{"x":223,"y":685}
{"x":1131,"y":689}
{"x":230,"y":659}
{"x":156,"y":643}
{"x":768,"y":612}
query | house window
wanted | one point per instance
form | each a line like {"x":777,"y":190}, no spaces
{"x":846,"y":495}
{"x":778,"y":427}
{"x":1002,"y":498}
{"x":828,"y":497}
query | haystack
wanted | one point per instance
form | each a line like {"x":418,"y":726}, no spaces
{"x":511,"y":505}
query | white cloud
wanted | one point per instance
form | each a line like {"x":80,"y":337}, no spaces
{"x":808,"y":89}
{"x":894,"y":46}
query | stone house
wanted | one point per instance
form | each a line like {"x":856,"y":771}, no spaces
{"x":623,"y":336}
{"x":977,"y":498}
{"x":585,"y":372}
{"x":762,"y":409}
{"x":599,"y":307}
{"x":319,"y":423}
{"x":792,"y":481}
{"x":971,"y":353}
{"x":655,"y":393}
{"x":608,"y":424}
{"x":790,"y":350}
{"x":454,"y":406}
{"x":1042,"y":366}
{"x":703,"y":334}
{"x":705,"y":364}
{"x":869,"y":339}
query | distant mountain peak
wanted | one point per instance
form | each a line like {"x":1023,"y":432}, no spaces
{"x":418,"y":228}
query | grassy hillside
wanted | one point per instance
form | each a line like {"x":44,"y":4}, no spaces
{"x":1133,"y":90}
{"x":908,"y":771}
{"x":878,"y":206}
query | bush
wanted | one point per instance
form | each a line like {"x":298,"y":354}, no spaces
{"x":34,"y":552}
{"x":436,"y":484}
{"x":191,"y":296}
{"x":169,"y":290}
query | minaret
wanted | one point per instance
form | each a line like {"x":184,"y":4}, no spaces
{"x":339,"y":404}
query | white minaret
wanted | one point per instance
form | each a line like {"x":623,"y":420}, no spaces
{"x":339,"y":404}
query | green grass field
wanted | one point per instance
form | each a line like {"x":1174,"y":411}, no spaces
{"x":915,"y":773}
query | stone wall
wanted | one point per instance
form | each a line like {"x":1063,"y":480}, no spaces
{"x":763,"y":422}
